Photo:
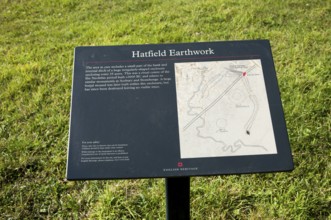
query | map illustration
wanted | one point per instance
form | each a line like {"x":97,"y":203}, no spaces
{"x":223,"y":109}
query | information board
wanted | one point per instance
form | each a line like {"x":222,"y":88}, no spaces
{"x":167,"y":110}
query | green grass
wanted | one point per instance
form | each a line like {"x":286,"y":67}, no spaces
{"x":37,"y":38}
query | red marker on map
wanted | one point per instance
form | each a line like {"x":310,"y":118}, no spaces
{"x":244,"y":73}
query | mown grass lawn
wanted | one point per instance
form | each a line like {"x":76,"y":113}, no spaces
{"x":37,"y":38}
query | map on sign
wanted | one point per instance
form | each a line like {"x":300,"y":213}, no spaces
{"x":223,"y":109}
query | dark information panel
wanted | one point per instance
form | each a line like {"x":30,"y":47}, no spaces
{"x":167,"y":110}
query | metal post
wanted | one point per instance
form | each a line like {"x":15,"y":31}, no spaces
{"x":178,"y":198}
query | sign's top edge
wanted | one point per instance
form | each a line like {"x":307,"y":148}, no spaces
{"x":177,"y":43}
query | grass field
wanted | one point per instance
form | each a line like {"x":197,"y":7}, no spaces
{"x":37,"y":38}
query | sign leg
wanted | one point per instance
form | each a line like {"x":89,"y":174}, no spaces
{"x":178,"y":198}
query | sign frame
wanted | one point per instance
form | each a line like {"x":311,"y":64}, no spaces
{"x":125,"y":129}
